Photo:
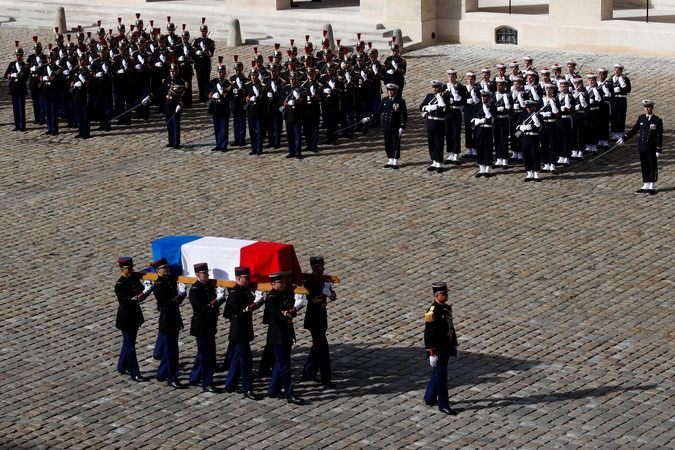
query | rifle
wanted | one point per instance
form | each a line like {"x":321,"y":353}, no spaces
{"x":290,"y":94}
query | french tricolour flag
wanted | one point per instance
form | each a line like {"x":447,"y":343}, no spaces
{"x":224,"y":254}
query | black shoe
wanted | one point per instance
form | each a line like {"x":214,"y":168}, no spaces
{"x":299,"y":157}
{"x":86,"y":137}
{"x":269,"y":146}
{"x":479,"y":174}
{"x":439,"y":169}
{"x":230,"y":389}
{"x":504,"y":167}
{"x":537,"y":180}
{"x":529,"y":179}
{"x":177,"y":146}
{"x":139,"y":378}
{"x":448,"y":161}
{"x":641,"y":191}
{"x":566,"y":164}
{"x":456,"y":163}
{"x":315,"y":150}
{"x":216,"y":149}
{"x":253,"y":152}
{"x":449,"y":411}
{"x":274,"y":395}
{"x":329,"y":384}
{"x":23,"y":130}
{"x":395,"y":167}
{"x":176,"y":385}
{"x":294,"y":399}
{"x":157,"y":356}
{"x":169,"y":145}
{"x":211,"y":389}
{"x":487,"y":175}
{"x":290,"y":156}
{"x":161,"y":378}
{"x":55,"y":133}
{"x":220,"y":368}
{"x":16,"y":129}
{"x":195,"y":382}
{"x":554,"y":172}
{"x":430,"y":403}
{"x":387,"y":166}
{"x":277,"y":146}
{"x":651,"y":192}
{"x":251,"y":395}
{"x":431,"y":168}
{"x":123,"y":372}
{"x":78,"y":136}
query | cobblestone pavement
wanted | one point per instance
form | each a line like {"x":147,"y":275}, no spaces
{"x":562,"y":290}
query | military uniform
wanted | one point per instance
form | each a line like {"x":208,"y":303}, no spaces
{"x":169,"y":299}
{"x":394,"y":118}
{"x":256,"y":104}
{"x":454,"y":95}
{"x":549,"y":108}
{"x":316,"y":321}
{"x":81,"y":76}
{"x":35,"y":63}
{"x":312,"y":117}
{"x":565,"y":126}
{"x":204,"y":50}
{"x":621,"y":87}
{"x":219,"y":99}
{"x":273,"y":85}
{"x":440,"y":340}
{"x":529,"y":124}
{"x":293,"y":101}
{"x":175,"y":90}
{"x":239,"y":308}
{"x":395,"y":68}
{"x":50,"y":82}
{"x":18,"y":73}
{"x":501,"y":130}
{"x":238,"y":112}
{"x":129,"y":292}
{"x":483,"y":121}
{"x":649,"y":129}
{"x":205,"y":311}
{"x":434,"y":107}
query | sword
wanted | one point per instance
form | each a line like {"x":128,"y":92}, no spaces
{"x":600,"y":156}
{"x":358,"y":122}
{"x":125,"y":112}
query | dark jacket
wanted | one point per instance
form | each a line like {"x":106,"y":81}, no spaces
{"x":204,"y":316}
{"x":650,"y":132}
{"x":129,"y":314}
{"x":168,"y":302}
{"x":241,"y":323}
{"x":17,"y":86}
{"x":316,"y":317}
{"x":439,"y":331}
{"x":280,"y":330}
{"x":394,"y":114}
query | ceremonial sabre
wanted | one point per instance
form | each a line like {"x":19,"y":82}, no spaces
{"x":125,"y":112}
{"x":600,"y":156}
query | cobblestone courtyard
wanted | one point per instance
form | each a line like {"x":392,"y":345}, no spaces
{"x":561,"y":290}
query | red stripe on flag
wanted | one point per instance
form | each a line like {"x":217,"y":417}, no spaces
{"x":265,"y":258}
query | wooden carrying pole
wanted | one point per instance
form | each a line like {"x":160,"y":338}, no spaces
{"x":230,"y":284}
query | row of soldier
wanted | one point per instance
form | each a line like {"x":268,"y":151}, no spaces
{"x":581,"y":114}
{"x":96,"y":79}
{"x":281,"y":307}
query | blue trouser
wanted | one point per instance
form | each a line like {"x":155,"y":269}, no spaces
{"x":241,"y":365}
{"x":159,"y":344}
{"x":274,"y":127}
{"x":318,"y":358}
{"x":141,"y":93}
{"x":281,"y":374}
{"x":173,"y":128}
{"x":221,"y":129}
{"x":311,"y":128}
{"x":105,"y":106}
{"x":204,"y":362}
{"x":348,"y":121}
{"x":19,"y":107}
{"x":203,"y":78}
{"x":294,"y":137}
{"x":239,"y":126}
{"x":255,"y":132}
{"x":38,"y":113}
{"x":51,"y":112}
{"x":438,"y":384}
{"x":127,"y":360}
{"x":82,"y":114}
{"x":168,"y":368}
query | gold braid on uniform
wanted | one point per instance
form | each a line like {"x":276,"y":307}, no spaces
{"x":430,"y":316}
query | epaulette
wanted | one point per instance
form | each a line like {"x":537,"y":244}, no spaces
{"x":430,"y":316}
{"x":187,"y":86}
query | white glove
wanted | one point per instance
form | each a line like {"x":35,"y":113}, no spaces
{"x":312,"y":90}
{"x":299,"y":302}
{"x":400,"y":131}
{"x":296,"y":94}
{"x":480,"y":121}
{"x":547,"y":114}
{"x":365,"y":120}
{"x":456,"y":352}
{"x":148,"y":287}
{"x":373,"y":67}
{"x":162,"y":57}
{"x":327,"y":90}
{"x":500,"y":109}
{"x":441,"y":102}
{"x":138,"y":67}
{"x":270,"y":95}
{"x":326,"y":291}
{"x":178,"y":108}
{"x":658,"y":154}
{"x":198,"y":53}
{"x":33,"y":69}
{"x":181,"y":58}
{"x":259,"y":298}
{"x":99,"y":75}
{"x":535,"y":121}
{"x":146,"y":100}
{"x":622,"y":81}
{"x":216,"y":95}
{"x":364,"y":76}
{"x":331,"y":83}
{"x":125,"y":64}
{"x":390,"y":72}
{"x":45,"y":78}
{"x":120,"y":71}
{"x":78,"y":84}
{"x":291,"y":102}
{"x":619,"y":142}
{"x":239,"y":82}
{"x":235,"y":91}
{"x":182,"y":288}
{"x":158,"y":64}
{"x":202,"y":45}
{"x":433,"y":360}
{"x":220,"y":293}
{"x":342,"y":65}
{"x":432,"y":107}
{"x":394,"y":65}
{"x":15,"y":75}
{"x":617,"y":89}
{"x":254,"y":98}
{"x":525,"y":127}
{"x":82,"y":79}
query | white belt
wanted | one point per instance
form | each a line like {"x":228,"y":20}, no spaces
{"x":502,"y":117}
{"x":622,"y":96}
{"x":436,"y":118}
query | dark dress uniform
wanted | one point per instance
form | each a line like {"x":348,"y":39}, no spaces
{"x":219,"y":94}
{"x":593,"y":123}
{"x":619,"y":103}
{"x":650,"y":139}
{"x":484,"y":139}
{"x":170,"y":325}
{"x":256,"y":101}
{"x":331,"y":106}
{"x":312,"y":115}
{"x":205,"y":312}
{"x":80,"y":85}
{"x":238,"y":111}
{"x":548,"y":137}
{"x":471,"y":107}
{"x":123,"y":91}
{"x":204,"y":50}
{"x":453,"y":117}
{"x":50,"y":86}
{"x":104,"y":70}
{"x":175,"y":89}
{"x":281,"y":336}
{"x":18,"y":73}
{"x":129,"y":292}
{"x":395,"y":69}
{"x":394,"y":117}
{"x":294,"y":102}
{"x":529,"y":141}
{"x":239,"y":307}
{"x":565,"y":127}
{"x":316,"y":321}
{"x":35,"y":63}
{"x":273,"y":85}
{"x":440,"y":340}
{"x":607,"y":91}
{"x":501,"y":131}
{"x":435,"y":124}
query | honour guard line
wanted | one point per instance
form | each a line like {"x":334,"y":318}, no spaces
{"x":281,"y":297}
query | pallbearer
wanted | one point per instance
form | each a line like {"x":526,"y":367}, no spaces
{"x":440,"y":340}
